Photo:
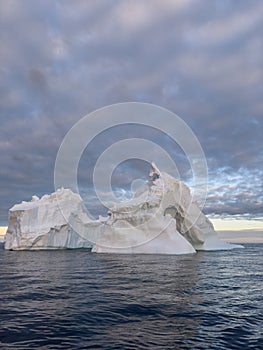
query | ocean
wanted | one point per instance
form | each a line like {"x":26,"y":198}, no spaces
{"x":73,"y":299}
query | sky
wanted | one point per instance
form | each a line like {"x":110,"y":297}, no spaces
{"x":201,"y":59}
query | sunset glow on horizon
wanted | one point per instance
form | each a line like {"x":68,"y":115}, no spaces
{"x":230,"y":224}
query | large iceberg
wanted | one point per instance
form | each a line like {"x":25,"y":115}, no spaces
{"x":161,"y":218}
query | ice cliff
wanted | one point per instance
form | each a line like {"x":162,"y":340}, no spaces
{"x":161,"y":218}
{"x":41,"y":224}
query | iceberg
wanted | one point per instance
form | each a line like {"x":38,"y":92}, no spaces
{"x":161,"y":218}
{"x":42,"y":224}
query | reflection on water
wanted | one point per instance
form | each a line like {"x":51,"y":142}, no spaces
{"x":78,"y":300}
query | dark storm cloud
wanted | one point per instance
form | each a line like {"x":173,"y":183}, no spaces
{"x":60,"y":60}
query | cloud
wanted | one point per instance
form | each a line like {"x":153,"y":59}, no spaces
{"x":235,"y":192}
{"x":60,"y":60}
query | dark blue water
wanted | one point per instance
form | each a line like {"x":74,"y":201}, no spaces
{"x":73,"y":299}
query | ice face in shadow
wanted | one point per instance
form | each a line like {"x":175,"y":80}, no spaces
{"x":160,"y":219}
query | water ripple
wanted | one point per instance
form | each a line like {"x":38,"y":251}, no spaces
{"x":78,"y":300}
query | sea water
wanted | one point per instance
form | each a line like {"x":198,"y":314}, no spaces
{"x":73,"y":299}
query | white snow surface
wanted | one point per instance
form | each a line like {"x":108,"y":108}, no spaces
{"x":160,"y":219}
